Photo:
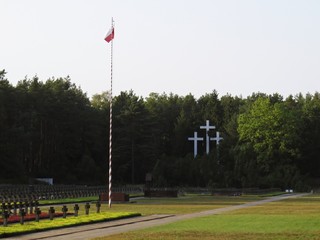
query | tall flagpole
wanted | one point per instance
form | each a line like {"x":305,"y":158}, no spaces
{"x":110,"y":131}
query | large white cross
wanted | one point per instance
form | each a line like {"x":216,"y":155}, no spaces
{"x":207,"y":127}
{"x":217,"y":138}
{"x":195,"y":140}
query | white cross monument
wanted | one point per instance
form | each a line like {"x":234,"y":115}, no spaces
{"x":217,"y":138}
{"x":207,"y":127}
{"x":195,"y":140}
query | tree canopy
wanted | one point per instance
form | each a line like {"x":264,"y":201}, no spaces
{"x":52,"y":129}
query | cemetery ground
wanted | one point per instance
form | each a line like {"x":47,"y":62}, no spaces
{"x":286,"y":219}
{"x":293,"y":218}
{"x":145,"y":206}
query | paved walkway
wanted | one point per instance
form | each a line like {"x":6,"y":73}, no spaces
{"x":115,"y":227}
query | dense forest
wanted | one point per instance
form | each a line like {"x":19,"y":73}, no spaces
{"x":52,"y":129}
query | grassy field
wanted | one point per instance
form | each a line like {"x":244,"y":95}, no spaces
{"x":287,"y":219}
{"x":297,"y":218}
{"x":181,"y":205}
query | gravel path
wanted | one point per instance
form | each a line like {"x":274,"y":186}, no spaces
{"x":125,"y":225}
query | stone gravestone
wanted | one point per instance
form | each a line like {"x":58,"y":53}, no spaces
{"x":22,"y":214}
{"x":51,"y":212}
{"x":5,"y":216}
{"x":9,"y":207}
{"x":15,"y":207}
{"x":64,"y":211}
{"x":87,"y":207}
{"x":20,"y":206}
{"x":76,"y":210}
{"x":31,"y":205}
{"x":98,"y":205}
{"x":38,"y":213}
{"x":26,"y":205}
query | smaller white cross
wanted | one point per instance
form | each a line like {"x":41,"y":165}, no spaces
{"x":217,"y":138}
{"x":195,"y":140}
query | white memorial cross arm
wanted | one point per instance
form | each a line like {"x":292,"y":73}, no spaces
{"x":195,"y":140}
{"x":217,"y":138}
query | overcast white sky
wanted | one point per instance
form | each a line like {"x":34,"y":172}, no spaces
{"x":178,"y":46}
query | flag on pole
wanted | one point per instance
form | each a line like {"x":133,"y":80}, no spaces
{"x":110,"y":35}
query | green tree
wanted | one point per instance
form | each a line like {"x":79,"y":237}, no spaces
{"x":309,"y":162}
{"x":11,"y":166}
{"x":210,"y":108}
{"x":272,"y":131}
{"x":133,"y":149}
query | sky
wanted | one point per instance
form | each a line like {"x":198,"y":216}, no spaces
{"x":235,"y":47}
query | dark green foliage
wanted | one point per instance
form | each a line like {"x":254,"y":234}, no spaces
{"x":52,"y":129}
{"x":47,"y":131}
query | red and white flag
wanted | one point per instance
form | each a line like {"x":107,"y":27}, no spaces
{"x":110,"y":35}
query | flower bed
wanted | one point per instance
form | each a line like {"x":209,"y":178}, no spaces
{"x":46,"y":224}
{"x":31,"y":217}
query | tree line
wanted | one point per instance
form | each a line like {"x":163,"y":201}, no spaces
{"x":52,"y":129}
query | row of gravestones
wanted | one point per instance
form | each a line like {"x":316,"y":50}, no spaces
{"x":50,"y":195}
{"x":23,"y":212}
{"x":15,"y":206}
{"x":72,"y":193}
{"x":44,"y":189}
{"x":20,"y":192}
{"x":11,"y":189}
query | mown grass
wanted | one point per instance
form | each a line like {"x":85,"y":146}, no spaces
{"x":149,"y":206}
{"x":181,"y":205}
{"x":272,"y":194}
{"x":69,"y":200}
{"x":28,"y":227}
{"x":297,"y":218}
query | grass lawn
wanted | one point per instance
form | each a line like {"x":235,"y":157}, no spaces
{"x":181,"y":205}
{"x":146,"y":206}
{"x":69,"y":200}
{"x":287,"y":219}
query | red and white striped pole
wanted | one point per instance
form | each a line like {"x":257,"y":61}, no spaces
{"x":109,"y":38}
